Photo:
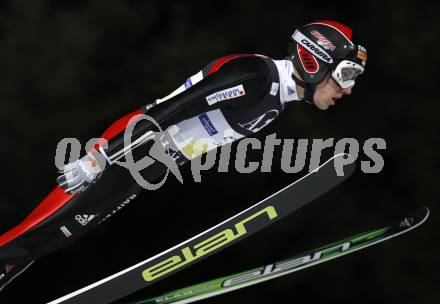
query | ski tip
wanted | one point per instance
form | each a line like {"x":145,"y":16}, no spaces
{"x":416,"y":218}
{"x":422,"y":213}
{"x":425,"y":210}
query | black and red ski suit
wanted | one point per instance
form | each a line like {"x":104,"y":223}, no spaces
{"x":242,"y":93}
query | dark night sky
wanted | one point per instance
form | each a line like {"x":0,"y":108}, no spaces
{"x":69,"y":68}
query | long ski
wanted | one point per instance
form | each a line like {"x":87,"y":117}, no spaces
{"x":259,"y":216}
{"x":307,"y":259}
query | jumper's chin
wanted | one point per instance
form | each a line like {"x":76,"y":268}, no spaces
{"x":323,"y":105}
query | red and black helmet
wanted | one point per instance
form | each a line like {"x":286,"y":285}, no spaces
{"x":323,"y":47}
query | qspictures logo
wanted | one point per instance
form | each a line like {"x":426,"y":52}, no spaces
{"x":160,"y":147}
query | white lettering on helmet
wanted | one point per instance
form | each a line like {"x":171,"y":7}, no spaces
{"x":312,"y":47}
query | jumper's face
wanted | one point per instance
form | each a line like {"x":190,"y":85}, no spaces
{"x":328,"y":92}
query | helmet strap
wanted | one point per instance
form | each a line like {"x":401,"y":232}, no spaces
{"x":309,"y":89}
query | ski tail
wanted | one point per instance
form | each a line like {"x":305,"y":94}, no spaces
{"x":313,"y":257}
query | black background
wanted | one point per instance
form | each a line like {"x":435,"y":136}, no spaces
{"x":70,"y":68}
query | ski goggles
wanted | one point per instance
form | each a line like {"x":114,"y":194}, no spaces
{"x":346,"y":73}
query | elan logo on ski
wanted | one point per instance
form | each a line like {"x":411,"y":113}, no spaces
{"x":212,"y":243}
{"x":295,"y":263}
